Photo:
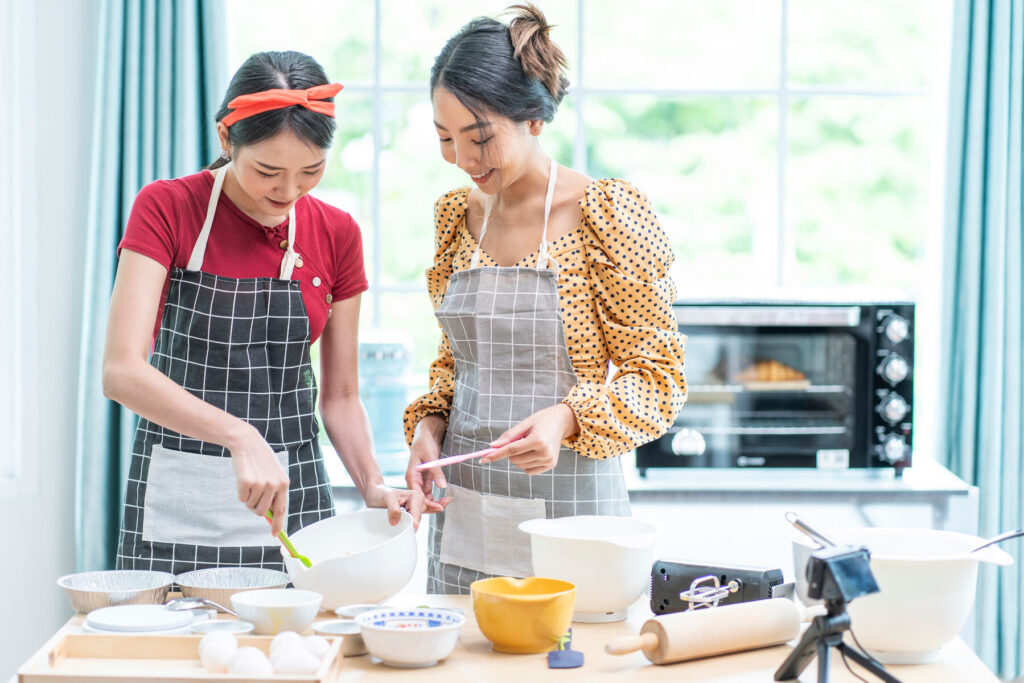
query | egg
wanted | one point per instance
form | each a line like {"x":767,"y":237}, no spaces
{"x":285,"y":638}
{"x":317,"y":645}
{"x":216,"y":652}
{"x":294,"y":659}
{"x":250,"y":661}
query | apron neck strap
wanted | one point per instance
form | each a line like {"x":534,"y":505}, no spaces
{"x":543,"y":257}
{"x":195,"y":261}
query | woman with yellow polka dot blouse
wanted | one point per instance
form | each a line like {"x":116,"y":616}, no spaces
{"x":542,"y":279}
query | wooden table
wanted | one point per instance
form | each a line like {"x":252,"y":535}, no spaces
{"x":473,"y":659}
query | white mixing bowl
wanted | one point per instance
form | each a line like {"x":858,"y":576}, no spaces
{"x":608,"y":559}
{"x":356,"y":556}
{"x":927,"y":580}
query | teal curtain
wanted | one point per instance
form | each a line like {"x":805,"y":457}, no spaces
{"x":161,"y":72}
{"x":983,"y":315}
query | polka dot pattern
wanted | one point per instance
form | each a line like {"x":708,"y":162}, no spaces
{"x":616,"y":300}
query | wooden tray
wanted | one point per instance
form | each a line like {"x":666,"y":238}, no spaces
{"x":85,"y":657}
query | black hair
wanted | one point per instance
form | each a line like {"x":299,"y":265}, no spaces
{"x":515,"y":71}
{"x":267,"y":71}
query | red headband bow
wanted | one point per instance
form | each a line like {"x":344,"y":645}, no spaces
{"x":313,"y":98}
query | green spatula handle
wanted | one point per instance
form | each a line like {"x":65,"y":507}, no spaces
{"x":288,"y":543}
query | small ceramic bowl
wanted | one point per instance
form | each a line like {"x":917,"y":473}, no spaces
{"x":88,"y":591}
{"x":352,"y":641}
{"x":273,"y":610}
{"x":523,"y":615}
{"x":220,"y":583}
{"x":410,"y":638}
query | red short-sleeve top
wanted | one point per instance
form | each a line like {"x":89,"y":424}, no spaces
{"x":168,"y":215}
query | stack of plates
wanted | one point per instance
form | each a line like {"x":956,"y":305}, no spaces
{"x":139,"y":620}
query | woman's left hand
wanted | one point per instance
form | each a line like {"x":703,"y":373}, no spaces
{"x":533,"y":444}
{"x":381,"y":496}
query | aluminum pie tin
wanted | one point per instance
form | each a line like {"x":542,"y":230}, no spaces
{"x":88,"y":591}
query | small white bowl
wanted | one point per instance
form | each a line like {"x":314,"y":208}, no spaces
{"x":410,"y":638}
{"x":352,"y":638}
{"x":272,"y":610}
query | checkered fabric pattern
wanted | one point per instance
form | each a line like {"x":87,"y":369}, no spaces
{"x":241,"y":345}
{"x":505,"y":330}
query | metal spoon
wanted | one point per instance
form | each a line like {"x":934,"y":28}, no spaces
{"x":819,"y":538}
{"x":179,"y":604}
{"x":999,"y":539}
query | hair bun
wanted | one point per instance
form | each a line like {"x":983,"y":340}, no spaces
{"x":531,"y":45}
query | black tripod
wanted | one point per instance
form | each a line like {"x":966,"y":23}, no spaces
{"x":825,"y":632}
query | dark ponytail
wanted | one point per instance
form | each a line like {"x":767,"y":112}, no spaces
{"x":267,"y":71}
{"x":515,"y":71}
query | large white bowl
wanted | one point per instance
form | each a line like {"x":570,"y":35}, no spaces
{"x":356,"y":556}
{"x":927,"y":581}
{"x":607,"y":558}
{"x":410,"y":638}
{"x":272,"y":610}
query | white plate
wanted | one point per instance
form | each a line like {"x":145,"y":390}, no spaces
{"x":137,"y":618}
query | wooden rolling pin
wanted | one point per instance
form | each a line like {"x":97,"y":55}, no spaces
{"x":714,"y":631}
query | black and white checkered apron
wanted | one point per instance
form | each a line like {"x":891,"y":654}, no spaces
{"x":241,"y":345}
{"x":505,"y":329}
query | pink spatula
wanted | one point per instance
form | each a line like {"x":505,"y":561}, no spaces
{"x":451,"y":459}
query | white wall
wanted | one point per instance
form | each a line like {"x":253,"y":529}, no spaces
{"x":59,"y":59}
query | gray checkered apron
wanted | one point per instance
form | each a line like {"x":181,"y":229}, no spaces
{"x":241,"y":345}
{"x":505,"y":329}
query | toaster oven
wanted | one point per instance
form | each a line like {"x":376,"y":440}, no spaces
{"x":792,"y":384}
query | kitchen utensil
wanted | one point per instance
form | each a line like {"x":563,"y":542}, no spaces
{"x":283,"y":537}
{"x":220,"y":583}
{"x":410,"y":638}
{"x":180,"y":604}
{"x":999,"y":539}
{"x":607,"y":558}
{"x":88,"y":591}
{"x":350,"y":630}
{"x":704,"y":633}
{"x":358,"y":557}
{"x":523,"y":615}
{"x":927,"y":580}
{"x":810,"y":531}
{"x":452,"y":459}
{"x":137,"y":619}
{"x":273,"y":610}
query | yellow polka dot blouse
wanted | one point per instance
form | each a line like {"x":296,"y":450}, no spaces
{"x":616,"y":301}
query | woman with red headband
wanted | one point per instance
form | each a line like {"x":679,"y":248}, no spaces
{"x":241,"y":270}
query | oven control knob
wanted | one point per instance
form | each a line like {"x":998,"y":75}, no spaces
{"x":688,"y":442}
{"x":894,"y":408}
{"x":894,"y":369}
{"x":894,"y":448}
{"x":896,"y":328}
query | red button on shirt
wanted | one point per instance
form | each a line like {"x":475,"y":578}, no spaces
{"x":168,"y":215}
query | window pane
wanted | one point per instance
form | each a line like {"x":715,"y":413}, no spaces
{"x":339,"y":35}
{"x":873,"y":43}
{"x":683,"y":44}
{"x":412,"y":313}
{"x":407,"y":55}
{"x":858,"y":183}
{"x":708,"y":166}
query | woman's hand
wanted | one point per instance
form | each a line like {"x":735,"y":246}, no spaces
{"x":394,"y":500}
{"x":426,"y":446}
{"x":262,"y":483}
{"x":533,"y":444}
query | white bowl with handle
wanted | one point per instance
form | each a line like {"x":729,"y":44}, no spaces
{"x":608,"y":559}
{"x":357,"y":557}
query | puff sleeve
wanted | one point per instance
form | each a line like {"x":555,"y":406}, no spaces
{"x":449,"y":212}
{"x":628,"y":257}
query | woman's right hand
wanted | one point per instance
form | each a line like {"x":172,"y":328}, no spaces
{"x":262,"y":483}
{"x":426,"y":447}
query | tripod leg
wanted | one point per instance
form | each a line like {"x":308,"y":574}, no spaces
{"x":869,"y":664}
{"x":823,"y":664}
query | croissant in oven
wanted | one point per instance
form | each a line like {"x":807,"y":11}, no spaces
{"x":769,"y":370}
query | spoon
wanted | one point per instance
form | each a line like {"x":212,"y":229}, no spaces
{"x":999,"y":539}
{"x":179,"y":604}
{"x":819,"y":538}
{"x":288,"y":544}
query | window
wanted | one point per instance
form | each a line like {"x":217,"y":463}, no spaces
{"x":15,"y":50}
{"x":786,"y":144}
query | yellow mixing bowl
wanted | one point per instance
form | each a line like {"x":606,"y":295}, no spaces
{"x":523,"y":615}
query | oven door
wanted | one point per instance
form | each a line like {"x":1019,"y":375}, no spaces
{"x":769,"y":396}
